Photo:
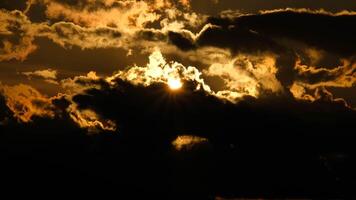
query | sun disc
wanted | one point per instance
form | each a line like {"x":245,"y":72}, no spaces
{"x":174,"y":84}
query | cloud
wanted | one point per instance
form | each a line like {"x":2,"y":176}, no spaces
{"x":49,"y":75}
{"x":301,"y":25}
{"x":68,"y":34}
{"x":310,"y":78}
{"x":5,"y":113}
{"x":90,"y":120}
{"x":78,"y":84}
{"x":140,"y":88}
{"x":187,"y":142}
{"x":253,"y":97}
{"x":301,"y":92}
{"x":340,"y":76}
{"x":243,"y":76}
{"x":216,"y":6}
{"x":251,"y":59}
{"x":16,"y":36}
{"x":159,"y":70}
{"x":26,"y":102}
{"x":248,"y":75}
{"x":121,"y":14}
{"x":138,"y":117}
{"x":91,"y":25}
{"x":296,"y":37}
{"x":89,"y":29}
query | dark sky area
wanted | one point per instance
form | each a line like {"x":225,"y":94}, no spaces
{"x":178,"y":99}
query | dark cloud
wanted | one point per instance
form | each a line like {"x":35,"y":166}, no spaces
{"x":321,"y":30}
{"x":153,"y":106}
{"x":213,"y":7}
{"x":272,"y":138}
{"x":239,"y":40}
{"x":266,"y":32}
{"x":181,"y":41}
{"x":5,"y":113}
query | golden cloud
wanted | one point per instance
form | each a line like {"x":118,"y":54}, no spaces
{"x":247,"y":75}
{"x":187,"y":142}
{"x":16,"y":36}
{"x":341,"y":76}
{"x":90,"y":120}
{"x":26,"y":102}
{"x":49,"y":75}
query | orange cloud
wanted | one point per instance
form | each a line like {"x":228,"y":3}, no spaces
{"x":342,"y":76}
{"x":187,"y":142}
{"x":16,"y":36}
{"x":49,"y":75}
{"x":90,"y":120}
{"x":247,"y":75}
{"x":26,"y":102}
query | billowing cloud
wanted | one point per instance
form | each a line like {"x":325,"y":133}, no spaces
{"x":248,"y":75}
{"x":159,"y":70}
{"x":26,"y":102}
{"x":19,"y":33}
{"x":244,"y":76}
{"x":259,"y":60}
{"x":297,"y":38}
{"x":89,"y":28}
{"x":16,"y":36}
{"x":112,"y":24}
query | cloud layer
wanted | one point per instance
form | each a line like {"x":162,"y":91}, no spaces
{"x":203,"y":98}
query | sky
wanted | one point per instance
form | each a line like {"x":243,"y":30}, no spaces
{"x":213,"y":98}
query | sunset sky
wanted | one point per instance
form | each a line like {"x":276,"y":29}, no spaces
{"x":211,"y":99}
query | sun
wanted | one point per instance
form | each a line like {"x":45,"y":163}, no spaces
{"x":174,"y":83}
